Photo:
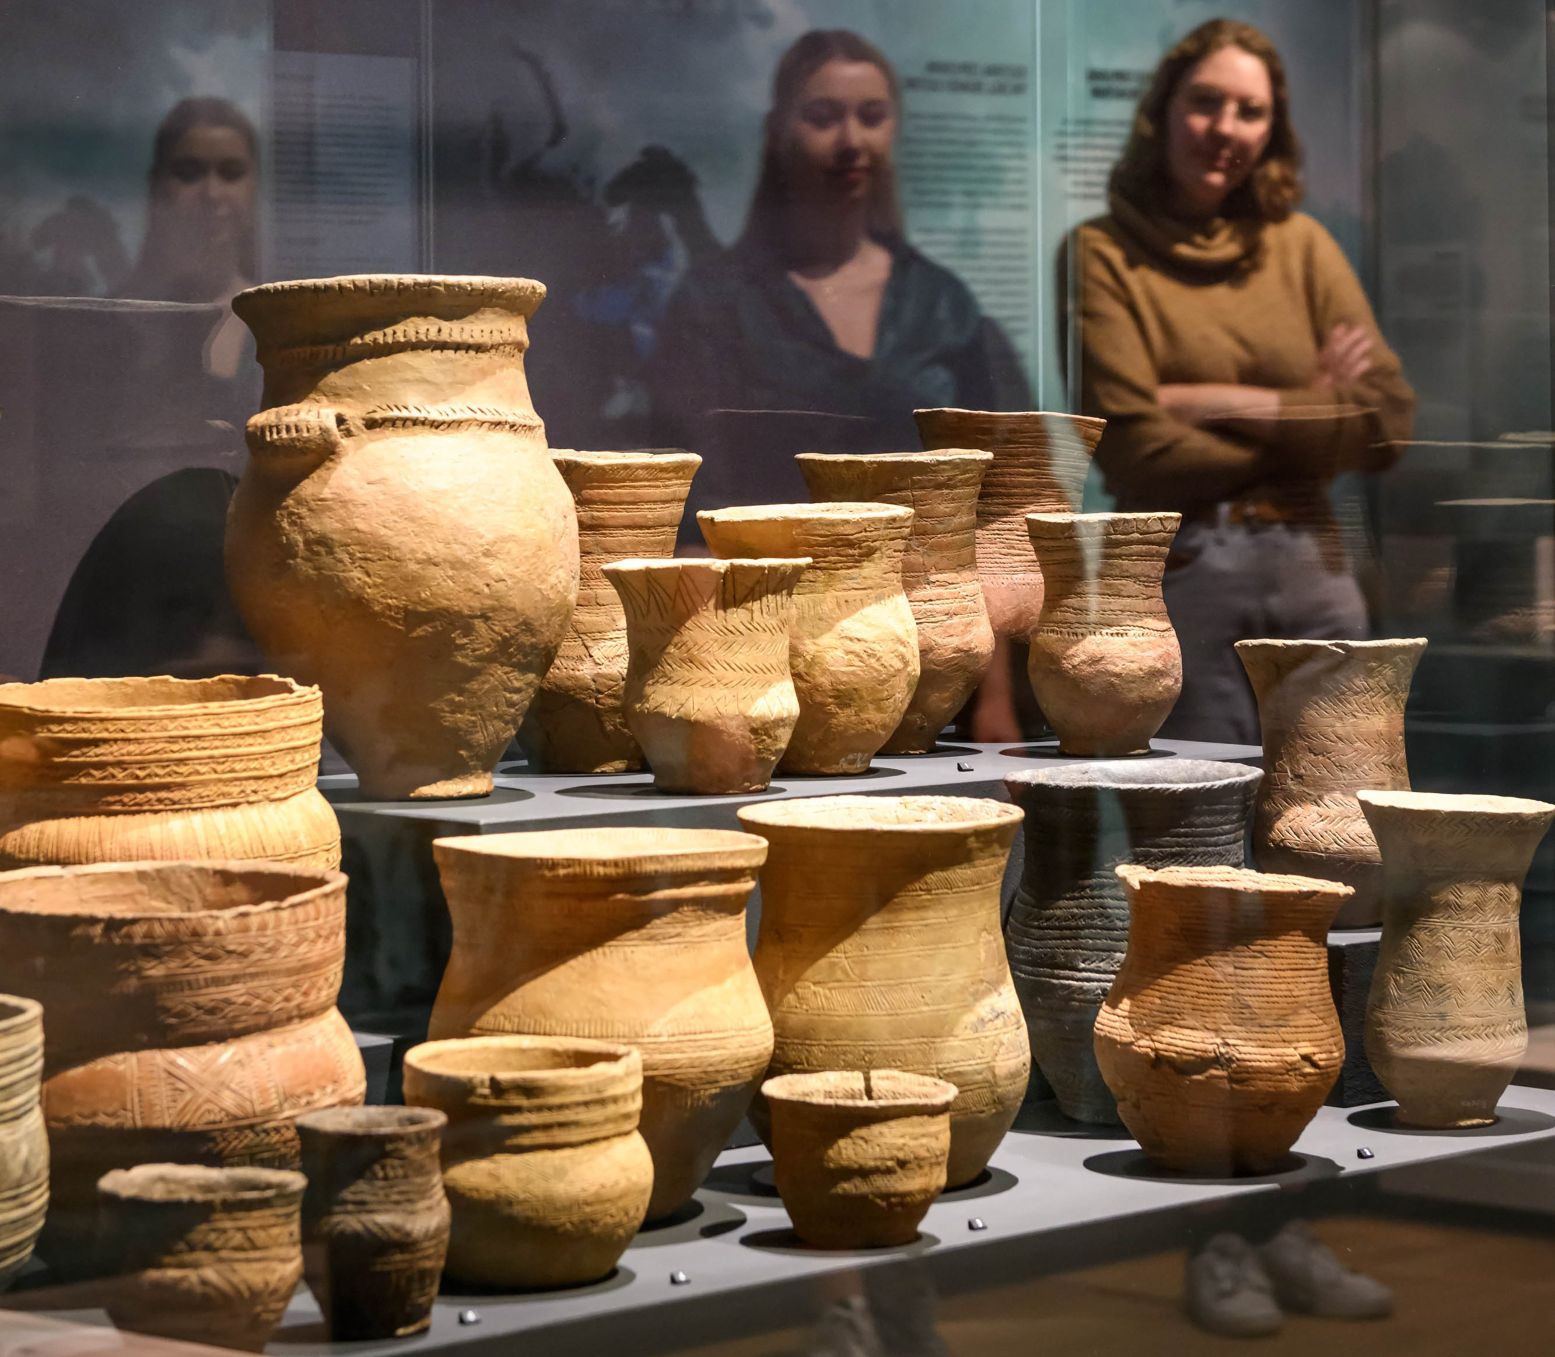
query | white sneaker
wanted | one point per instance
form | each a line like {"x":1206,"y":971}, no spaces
{"x":1227,"y":1291}
{"x":1309,"y":1279}
{"x":845,"y":1329}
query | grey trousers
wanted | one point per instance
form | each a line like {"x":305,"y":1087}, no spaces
{"x":1230,"y":581}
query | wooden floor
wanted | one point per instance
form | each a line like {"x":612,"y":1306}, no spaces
{"x":1460,"y":1292}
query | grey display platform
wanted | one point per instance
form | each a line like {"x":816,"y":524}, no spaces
{"x":1051,"y":1184}
{"x":397,"y":940}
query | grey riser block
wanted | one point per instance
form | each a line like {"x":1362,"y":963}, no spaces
{"x":1057,"y":1196}
{"x":397,"y":921}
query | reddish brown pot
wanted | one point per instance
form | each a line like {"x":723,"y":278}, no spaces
{"x":1040,"y":461}
{"x":859,"y":1155}
{"x":1219,"y":1038}
{"x":189,"y":1017}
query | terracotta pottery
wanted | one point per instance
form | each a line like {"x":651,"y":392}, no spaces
{"x":1104,"y":663}
{"x":1332,"y":720}
{"x":400,"y":536}
{"x":939,"y":571}
{"x":24,"y":1144}
{"x":629,"y":935}
{"x":190,"y":1016}
{"x":859,"y":1155}
{"x":374,"y":1218}
{"x":1445,"y":1025}
{"x":1040,"y":462}
{"x":709,"y":694}
{"x":201,"y":1255}
{"x":853,"y":644}
{"x":879,"y":948}
{"x":1219,"y":1036}
{"x":544,"y":1169}
{"x":629,"y":505}
{"x":1068,"y":924}
{"x":130,"y":769}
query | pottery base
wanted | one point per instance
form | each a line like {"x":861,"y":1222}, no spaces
{"x":449,"y":789}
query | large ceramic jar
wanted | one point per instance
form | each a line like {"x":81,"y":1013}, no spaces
{"x":1067,"y":928}
{"x":709,"y":694}
{"x":939,"y":571}
{"x":24,"y":1144}
{"x":1445,"y":1024}
{"x":546,"y":1175}
{"x":1219,"y":1037}
{"x":853,"y":645}
{"x":189,"y":1016}
{"x":1104,"y":663}
{"x":374,"y":1217}
{"x":129,"y":769}
{"x":400,"y":536}
{"x":629,"y":505}
{"x":1040,"y":461}
{"x":635,"y":936}
{"x":879,"y":948}
{"x":1331,"y":714}
{"x":201,"y":1255}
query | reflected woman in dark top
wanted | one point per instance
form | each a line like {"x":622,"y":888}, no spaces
{"x":822,"y":307}
{"x":150,"y":596}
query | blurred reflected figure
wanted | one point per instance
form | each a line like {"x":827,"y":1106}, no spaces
{"x":1230,"y":347}
{"x":203,"y":189}
{"x":200,"y":241}
{"x":149,"y":596}
{"x":822,"y":309}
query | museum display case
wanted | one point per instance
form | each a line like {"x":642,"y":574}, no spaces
{"x":842,"y":677}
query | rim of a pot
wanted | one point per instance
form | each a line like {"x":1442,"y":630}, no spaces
{"x":1219,"y":878}
{"x":466,"y":286}
{"x":1338,"y":647}
{"x":933,"y":458}
{"x":864,"y":1090}
{"x":1180,"y":775}
{"x":1013,"y":416}
{"x":71,"y":696}
{"x":17,"y":1011}
{"x":850,"y":813}
{"x":1101,"y":520}
{"x":847,"y":509}
{"x":174,"y":1184}
{"x":676,"y":457}
{"x":1457,"y":803}
{"x":316,"y":882}
{"x":623,"y":849}
{"x":492,"y":1064}
{"x":372,"y":1122}
{"x":712,"y":565}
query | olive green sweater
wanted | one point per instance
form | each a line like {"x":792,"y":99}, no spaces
{"x":1159,"y":302}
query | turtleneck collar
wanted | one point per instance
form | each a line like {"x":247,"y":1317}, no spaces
{"x":1214,"y":246}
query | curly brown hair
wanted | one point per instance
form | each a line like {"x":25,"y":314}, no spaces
{"x":1274,"y":188}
